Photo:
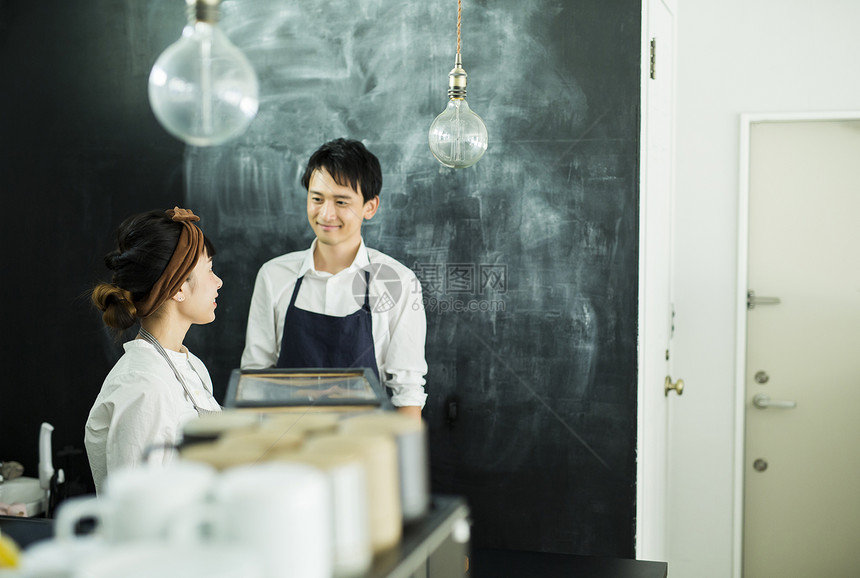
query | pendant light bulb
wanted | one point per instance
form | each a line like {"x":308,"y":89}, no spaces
{"x":202,"y":89}
{"x":458,"y":136}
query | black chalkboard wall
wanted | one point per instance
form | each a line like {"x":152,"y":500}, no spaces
{"x":529,"y":258}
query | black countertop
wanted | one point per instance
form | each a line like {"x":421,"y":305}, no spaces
{"x":26,"y":531}
{"x":514,"y":564}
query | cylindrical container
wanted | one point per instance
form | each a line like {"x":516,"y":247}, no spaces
{"x":262,"y":443}
{"x":353,"y":553}
{"x":242,"y":447}
{"x":281,"y":511}
{"x":379,"y":455}
{"x":210,"y":427}
{"x":302,"y":423}
{"x":218,"y":456}
{"x":412,"y":455}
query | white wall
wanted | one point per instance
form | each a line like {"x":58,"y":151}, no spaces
{"x":734,"y":57}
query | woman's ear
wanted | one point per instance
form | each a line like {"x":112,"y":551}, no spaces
{"x":180,"y":295}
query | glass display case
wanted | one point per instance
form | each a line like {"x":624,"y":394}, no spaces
{"x":270,"y":389}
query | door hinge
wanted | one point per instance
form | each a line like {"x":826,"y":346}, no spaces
{"x":653,"y":58}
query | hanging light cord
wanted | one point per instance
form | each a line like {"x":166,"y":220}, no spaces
{"x":459,"y":18}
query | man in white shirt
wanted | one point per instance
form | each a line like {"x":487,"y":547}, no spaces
{"x":339,"y":303}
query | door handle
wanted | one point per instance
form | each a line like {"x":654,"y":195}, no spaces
{"x":668,"y":386}
{"x":753,"y":300}
{"x":763,"y":401}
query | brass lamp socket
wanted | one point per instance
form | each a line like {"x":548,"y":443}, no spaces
{"x":203,"y":10}
{"x":457,"y":80}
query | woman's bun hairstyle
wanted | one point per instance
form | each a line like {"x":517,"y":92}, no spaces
{"x":144,"y":245}
{"x":118,"y":310}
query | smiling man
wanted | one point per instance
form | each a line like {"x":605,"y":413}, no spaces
{"x":339,"y":303}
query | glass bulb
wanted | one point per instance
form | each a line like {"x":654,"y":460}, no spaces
{"x":202,"y":89}
{"x":458,"y":136}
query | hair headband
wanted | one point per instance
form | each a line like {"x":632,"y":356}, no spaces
{"x":188,"y":249}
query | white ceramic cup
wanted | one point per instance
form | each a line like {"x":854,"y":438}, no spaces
{"x":163,"y":560}
{"x":347,"y":478}
{"x":139,"y":504}
{"x":59,"y":558}
{"x":280,"y":511}
{"x":379,"y":456}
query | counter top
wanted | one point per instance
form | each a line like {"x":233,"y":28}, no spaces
{"x":26,"y":531}
{"x":414,"y":554}
{"x":432,"y":547}
{"x":409,"y":557}
{"x":514,"y":564}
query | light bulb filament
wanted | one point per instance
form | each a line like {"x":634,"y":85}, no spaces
{"x":458,"y":136}
{"x":206,"y":86}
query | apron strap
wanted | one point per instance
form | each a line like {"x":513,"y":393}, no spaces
{"x":149,"y":337}
{"x":367,"y":290}
{"x":296,"y":291}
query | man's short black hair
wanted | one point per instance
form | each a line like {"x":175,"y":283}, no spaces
{"x":350,"y":164}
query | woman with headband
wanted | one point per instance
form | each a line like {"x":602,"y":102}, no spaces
{"x":163,"y":278}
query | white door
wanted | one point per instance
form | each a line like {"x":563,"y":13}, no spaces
{"x":802,"y":464}
{"x":655,"y":311}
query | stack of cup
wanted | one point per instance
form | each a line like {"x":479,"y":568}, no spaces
{"x":347,"y":479}
{"x":315,"y":495}
{"x":378,"y":455}
{"x":139,"y":504}
{"x":279,"y":511}
{"x":269,"y":520}
{"x":413,"y":463}
{"x":133,"y":524}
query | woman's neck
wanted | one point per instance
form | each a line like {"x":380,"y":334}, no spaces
{"x":169,"y":335}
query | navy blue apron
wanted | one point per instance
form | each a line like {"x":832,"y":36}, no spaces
{"x":319,"y":340}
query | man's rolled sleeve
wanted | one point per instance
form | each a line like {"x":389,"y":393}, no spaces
{"x":407,"y":388}
{"x":260,"y":337}
{"x":405,"y":365}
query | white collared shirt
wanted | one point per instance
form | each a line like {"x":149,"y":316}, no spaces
{"x":142,"y":405}
{"x":399,"y":322}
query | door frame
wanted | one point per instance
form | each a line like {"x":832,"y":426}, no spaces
{"x":746,"y":122}
{"x":651,"y":526}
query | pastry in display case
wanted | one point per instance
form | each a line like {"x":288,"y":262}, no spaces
{"x":271,"y":390}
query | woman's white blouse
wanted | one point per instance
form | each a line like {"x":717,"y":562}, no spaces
{"x":141,"y":404}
